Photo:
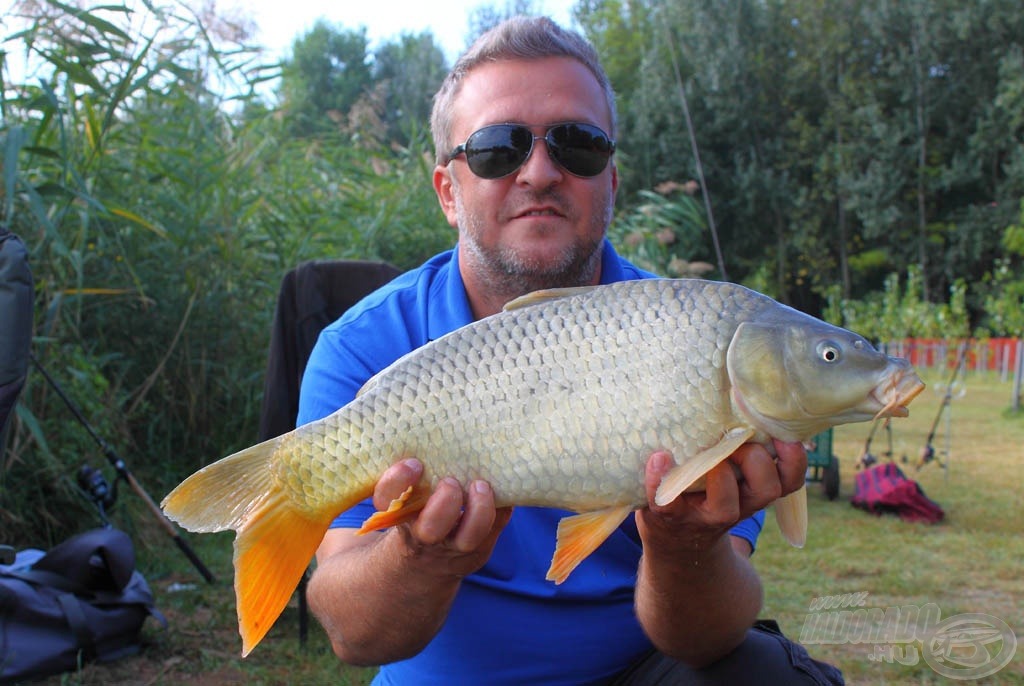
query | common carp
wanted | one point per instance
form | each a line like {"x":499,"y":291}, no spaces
{"x":557,"y":401}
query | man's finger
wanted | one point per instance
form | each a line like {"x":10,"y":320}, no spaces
{"x":761,"y":482}
{"x":395,"y":480}
{"x":441,"y":513}
{"x":477,"y":518}
{"x":658,"y":465}
{"x":723,"y":498}
{"x":792,"y":465}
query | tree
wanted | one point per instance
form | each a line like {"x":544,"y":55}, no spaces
{"x":410,"y":71}
{"x":842,"y":141}
{"x":484,"y":17}
{"x":327,"y":73}
{"x":1004,"y":303}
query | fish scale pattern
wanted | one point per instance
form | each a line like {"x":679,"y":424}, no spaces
{"x":557,"y":403}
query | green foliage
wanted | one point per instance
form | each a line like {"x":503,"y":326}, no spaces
{"x":664,"y":234}
{"x":1004,"y":300}
{"x":327,"y":73}
{"x":410,"y":71}
{"x":841,"y":141}
{"x":900,"y":311}
{"x":160,"y":225}
{"x":1013,"y":237}
{"x":332,"y":84}
{"x":1004,"y":303}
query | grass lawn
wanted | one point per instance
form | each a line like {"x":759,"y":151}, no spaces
{"x":971,"y":563}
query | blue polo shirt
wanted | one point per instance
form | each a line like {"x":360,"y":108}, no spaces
{"x":508,"y":624}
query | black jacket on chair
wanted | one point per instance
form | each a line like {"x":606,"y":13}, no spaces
{"x":312,"y":296}
{"x":16,"y":316}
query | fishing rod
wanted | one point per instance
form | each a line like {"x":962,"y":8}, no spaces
{"x":96,"y":485}
{"x":866,"y":459}
{"x":928,"y":451}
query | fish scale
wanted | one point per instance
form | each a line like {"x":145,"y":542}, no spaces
{"x":558,"y":401}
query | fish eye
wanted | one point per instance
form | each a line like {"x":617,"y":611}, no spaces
{"x":828,"y":352}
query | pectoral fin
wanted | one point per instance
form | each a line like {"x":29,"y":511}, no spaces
{"x":684,"y":475}
{"x":580,"y":535}
{"x":791,"y":514}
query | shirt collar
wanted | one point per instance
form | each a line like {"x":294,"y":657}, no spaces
{"x":611,"y":265}
{"x":450,"y":293}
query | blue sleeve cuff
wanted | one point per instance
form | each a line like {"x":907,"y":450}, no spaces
{"x":749,"y":529}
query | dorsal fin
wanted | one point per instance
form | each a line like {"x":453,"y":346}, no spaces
{"x":375,"y":379}
{"x":370,"y":383}
{"x":543,"y":296}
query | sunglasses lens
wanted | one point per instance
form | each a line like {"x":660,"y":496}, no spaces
{"x":496,"y":151}
{"x":582,"y":149}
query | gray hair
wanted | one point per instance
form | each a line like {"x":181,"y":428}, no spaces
{"x":518,"y":38}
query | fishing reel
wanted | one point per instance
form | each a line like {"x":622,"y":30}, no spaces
{"x":95,"y":486}
{"x":928,"y":455}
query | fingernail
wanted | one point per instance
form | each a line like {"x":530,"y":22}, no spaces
{"x":662,"y":461}
{"x":481,"y":487}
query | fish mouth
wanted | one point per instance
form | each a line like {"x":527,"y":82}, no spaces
{"x":894,"y":394}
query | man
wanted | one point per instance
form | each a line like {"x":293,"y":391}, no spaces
{"x":523,"y":130}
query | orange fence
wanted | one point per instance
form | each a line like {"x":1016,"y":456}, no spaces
{"x":999,"y":355}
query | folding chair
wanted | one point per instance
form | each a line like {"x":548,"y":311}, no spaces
{"x":16,"y":295}
{"x":312,"y":296}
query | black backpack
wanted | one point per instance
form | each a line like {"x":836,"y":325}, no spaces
{"x":82,"y":601}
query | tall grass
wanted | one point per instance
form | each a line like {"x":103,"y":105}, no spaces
{"x":161,"y":216}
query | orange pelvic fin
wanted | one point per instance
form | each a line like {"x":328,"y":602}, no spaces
{"x":580,"y":535}
{"x":402,"y":509}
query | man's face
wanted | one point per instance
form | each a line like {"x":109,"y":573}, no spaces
{"x":540,"y":226}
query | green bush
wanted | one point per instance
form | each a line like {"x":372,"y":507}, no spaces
{"x":161,"y":217}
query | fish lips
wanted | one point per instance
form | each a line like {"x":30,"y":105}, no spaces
{"x":897,"y":390}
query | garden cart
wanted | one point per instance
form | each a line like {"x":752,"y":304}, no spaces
{"x":822,"y":465}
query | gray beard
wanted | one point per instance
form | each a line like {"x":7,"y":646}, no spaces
{"x":507,"y":273}
{"x":511,"y":275}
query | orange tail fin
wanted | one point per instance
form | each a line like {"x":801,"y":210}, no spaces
{"x":271,"y":554}
{"x":275,"y":538}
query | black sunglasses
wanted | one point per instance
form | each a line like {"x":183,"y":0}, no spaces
{"x":498,"y":150}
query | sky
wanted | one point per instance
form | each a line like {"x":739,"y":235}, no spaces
{"x":281,"y":21}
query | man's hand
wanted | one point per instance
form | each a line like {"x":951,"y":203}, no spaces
{"x":691,"y":566}
{"x":456,"y":531}
{"x":383,"y":596}
{"x":750,"y":480}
